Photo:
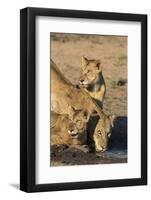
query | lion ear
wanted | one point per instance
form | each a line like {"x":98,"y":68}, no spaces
{"x":84,"y":62}
{"x":98,"y":65}
{"x":86,"y":115}
{"x":112,"y":118}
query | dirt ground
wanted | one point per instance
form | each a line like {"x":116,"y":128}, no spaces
{"x":66,"y":51}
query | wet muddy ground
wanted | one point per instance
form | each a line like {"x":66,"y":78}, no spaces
{"x":80,"y":155}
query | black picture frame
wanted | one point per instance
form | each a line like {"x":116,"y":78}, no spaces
{"x":28,"y":98}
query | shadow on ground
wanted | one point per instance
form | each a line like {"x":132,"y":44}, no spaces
{"x":15,"y":185}
{"x":118,"y":140}
{"x":80,"y":155}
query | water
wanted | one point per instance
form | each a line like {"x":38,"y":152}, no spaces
{"x":114,"y":154}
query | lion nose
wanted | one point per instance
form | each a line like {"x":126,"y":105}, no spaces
{"x":101,"y":149}
{"x":81,"y":81}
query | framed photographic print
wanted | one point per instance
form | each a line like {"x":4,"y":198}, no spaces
{"x":83,"y":99}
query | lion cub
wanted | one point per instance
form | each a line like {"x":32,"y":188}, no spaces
{"x":92,"y":80}
{"x":67,"y":131}
{"x":102,"y":133}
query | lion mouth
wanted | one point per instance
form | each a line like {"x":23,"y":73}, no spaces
{"x":73,"y":133}
{"x":83,"y":85}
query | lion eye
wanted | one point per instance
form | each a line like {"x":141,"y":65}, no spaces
{"x":99,"y":132}
{"x":78,"y":122}
{"x":89,"y":73}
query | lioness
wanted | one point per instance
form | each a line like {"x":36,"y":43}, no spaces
{"x":99,"y":132}
{"x":67,"y":131}
{"x":65,"y":96}
{"x":92,"y":79}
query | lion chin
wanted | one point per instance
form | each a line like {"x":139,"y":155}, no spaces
{"x":82,"y":85}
